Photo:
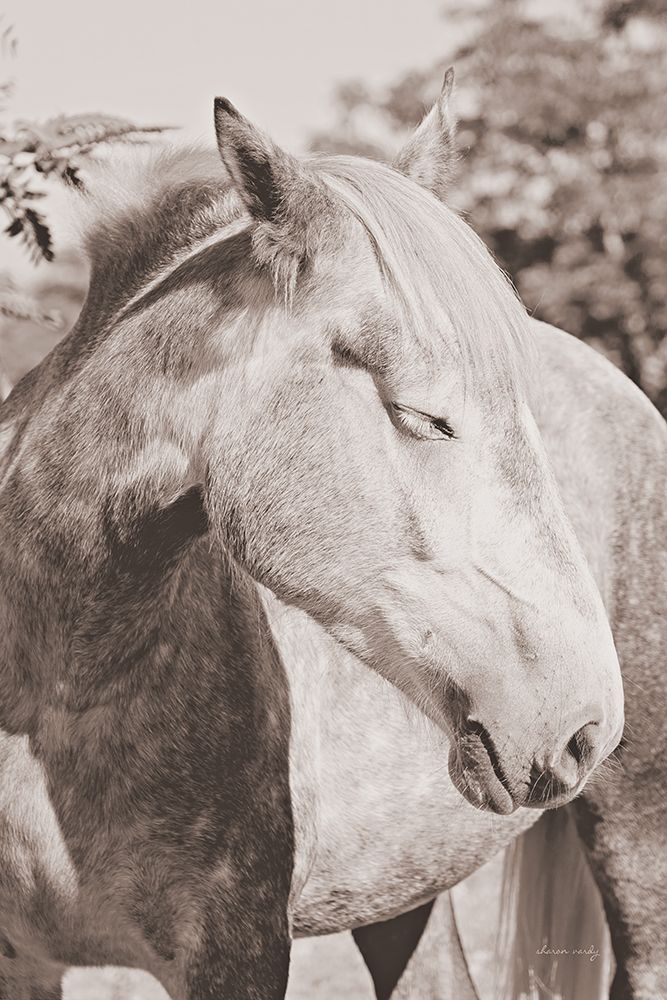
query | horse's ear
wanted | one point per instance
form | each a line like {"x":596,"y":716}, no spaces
{"x":264,"y":176}
{"x":429,"y":155}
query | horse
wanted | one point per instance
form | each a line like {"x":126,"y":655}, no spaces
{"x":393,"y":833}
{"x":307,"y":376}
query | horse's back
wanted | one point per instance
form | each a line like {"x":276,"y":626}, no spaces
{"x":608,"y":447}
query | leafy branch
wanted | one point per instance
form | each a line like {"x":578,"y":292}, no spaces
{"x":32,"y":151}
{"x":16,"y":305}
{"x":31,"y":155}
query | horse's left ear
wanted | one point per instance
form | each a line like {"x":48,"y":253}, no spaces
{"x":429,"y":155}
{"x":266,"y":178}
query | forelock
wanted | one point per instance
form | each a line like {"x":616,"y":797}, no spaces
{"x":448,"y":290}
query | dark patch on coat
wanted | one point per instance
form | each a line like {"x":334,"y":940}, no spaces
{"x":152,"y":542}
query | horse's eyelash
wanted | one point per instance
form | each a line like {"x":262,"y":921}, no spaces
{"x":443,"y":426}
{"x":440,"y":424}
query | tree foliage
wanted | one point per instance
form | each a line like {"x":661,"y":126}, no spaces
{"x":33,"y":154}
{"x":564,"y":163}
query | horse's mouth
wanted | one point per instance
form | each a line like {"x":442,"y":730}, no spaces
{"x":477,"y":773}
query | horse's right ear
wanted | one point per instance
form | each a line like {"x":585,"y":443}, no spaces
{"x":266,"y":178}
{"x":429,"y":155}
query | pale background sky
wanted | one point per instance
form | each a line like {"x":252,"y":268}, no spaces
{"x":162,"y":62}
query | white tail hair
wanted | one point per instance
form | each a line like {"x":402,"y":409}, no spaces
{"x":553,"y":941}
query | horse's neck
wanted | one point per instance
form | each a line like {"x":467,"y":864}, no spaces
{"x":315,"y":666}
{"x":346,"y":721}
{"x":105,"y":606}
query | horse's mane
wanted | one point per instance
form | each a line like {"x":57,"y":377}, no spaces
{"x":156,"y":208}
{"x":144,"y":181}
{"x":145,"y":212}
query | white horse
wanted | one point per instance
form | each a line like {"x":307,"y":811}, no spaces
{"x":366,"y":445}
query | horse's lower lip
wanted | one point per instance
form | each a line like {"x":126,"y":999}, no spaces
{"x":479,"y":785}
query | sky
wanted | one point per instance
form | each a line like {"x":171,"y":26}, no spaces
{"x":157,"y":62}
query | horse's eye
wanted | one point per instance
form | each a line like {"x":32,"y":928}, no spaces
{"x":422,"y":425}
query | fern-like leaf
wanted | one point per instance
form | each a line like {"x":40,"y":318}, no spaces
{"x":69,"y":135}
{"x":40,"y":232}
{"x":91,"y":129}
{"x":14,"y":305}
{"x":30,"y":226}
{"x":53,"y":148}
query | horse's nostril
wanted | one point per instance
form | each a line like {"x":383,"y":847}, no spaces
{"x":559,"y":773}
{"x":574,"y":748}
{"x":581,"y":747}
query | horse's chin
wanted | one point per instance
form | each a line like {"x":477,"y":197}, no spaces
{"x":478,"y":783}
